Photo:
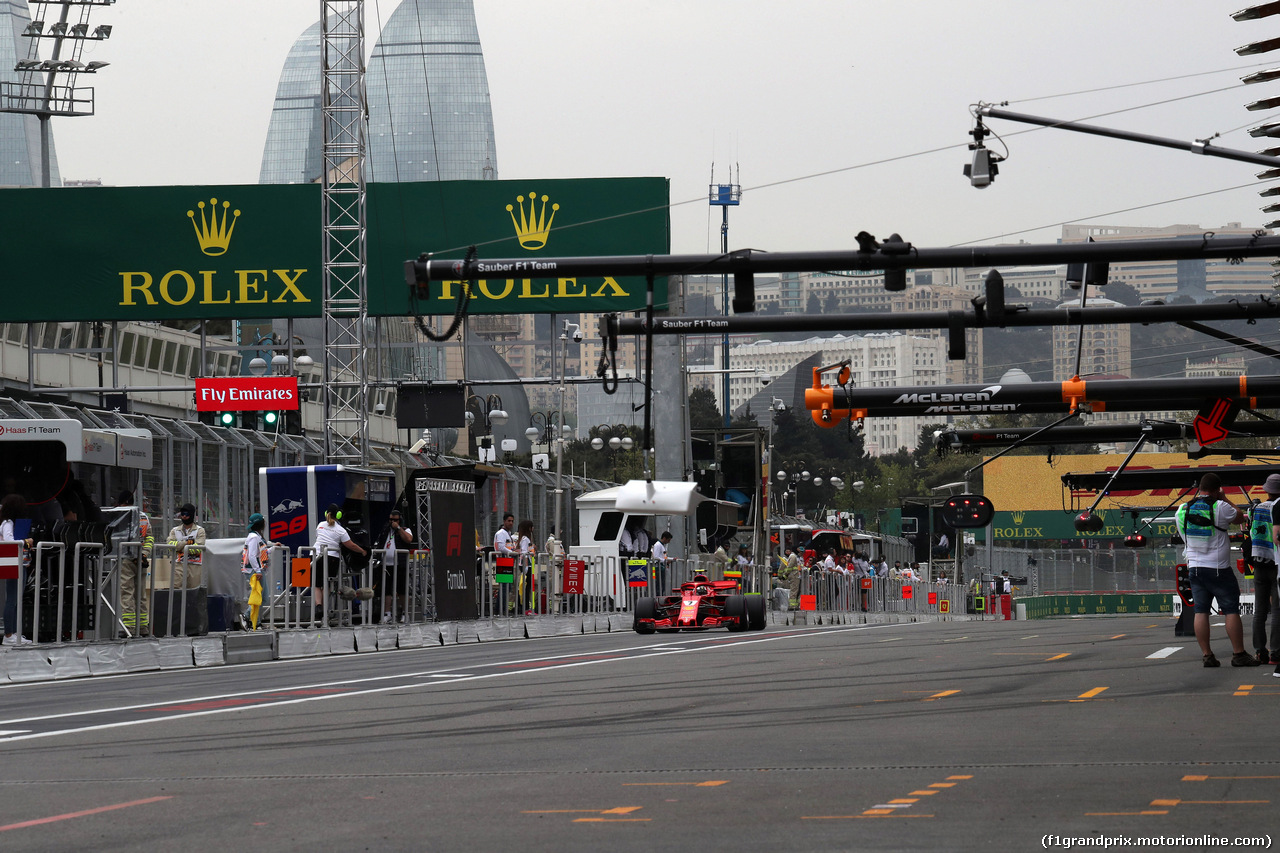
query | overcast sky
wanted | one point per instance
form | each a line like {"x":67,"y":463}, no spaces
{"x":819,"y":103}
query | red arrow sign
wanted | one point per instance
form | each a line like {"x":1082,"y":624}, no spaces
{"x":1211,"y":423}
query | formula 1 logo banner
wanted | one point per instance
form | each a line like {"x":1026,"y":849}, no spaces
{"x":247,"y":394}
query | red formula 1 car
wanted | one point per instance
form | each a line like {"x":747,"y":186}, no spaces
{"x":700,"y":604}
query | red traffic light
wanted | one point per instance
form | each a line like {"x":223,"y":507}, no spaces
{"x":966,"y":511}
{"x":1135,"y":540}
{"x":1087,"y":522}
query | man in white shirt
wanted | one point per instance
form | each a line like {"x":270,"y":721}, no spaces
{"x":660,"y":561}
{"x":502,"y":541}
{"x":634,"y":541}
{"x":1202,"y":522}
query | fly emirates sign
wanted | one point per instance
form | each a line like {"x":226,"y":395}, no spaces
{"x":247,"y":394}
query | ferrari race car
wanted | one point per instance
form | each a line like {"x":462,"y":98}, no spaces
{"x":700,"y":604}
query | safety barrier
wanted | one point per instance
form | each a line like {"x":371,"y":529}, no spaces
{"x":1048,"y":606}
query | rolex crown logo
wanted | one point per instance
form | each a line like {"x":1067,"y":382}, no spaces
{"x":533,"y":227}
{"x":1018,"y":516}
{"x":214,"y":235}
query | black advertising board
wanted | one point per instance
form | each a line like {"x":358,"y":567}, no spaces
{"x":444,"y":499}
{"x":425,"y":406}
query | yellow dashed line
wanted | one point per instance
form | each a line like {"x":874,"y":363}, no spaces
{"x":895,"y":808}
{"x":1203,"y":778}
{"x":1243,"y":690}
{"x":1119,"y":814}
{"x":940,"y":695}
{"x":860,"y":816}
{"x":1059,"y":657}
{"x":1210,"y":802}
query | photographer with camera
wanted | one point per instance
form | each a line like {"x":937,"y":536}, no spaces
{"x":1263,"y":560}
{"x":394,"y":576}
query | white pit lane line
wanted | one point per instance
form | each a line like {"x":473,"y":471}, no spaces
{"x":8,"y":735}
{"x":1164,"y":653}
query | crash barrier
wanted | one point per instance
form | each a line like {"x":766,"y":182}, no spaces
{"x":835,"y":591}
{"x":1047,"y":606}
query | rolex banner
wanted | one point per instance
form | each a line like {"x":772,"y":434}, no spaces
{"x":253,"y":251}
{"x":1033,"y":505}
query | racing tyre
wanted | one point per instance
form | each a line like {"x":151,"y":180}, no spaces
{"x":735,"y":608}
{"x":646,"y":608}
{"x":756,"y":619}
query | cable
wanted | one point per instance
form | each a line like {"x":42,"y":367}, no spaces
{"x":1139,"y":83}
{"x":1004,"y":234}
{"x":842,"y":169}
{"x":460,"y":307}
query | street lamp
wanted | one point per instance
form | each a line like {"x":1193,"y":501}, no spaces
{"x":280,"y":364}
{"x":546,"y":429}
{"x":37,"y":91}
{"x":775,"y":405}
{"x":489,"y":411}
{"x":792,"y":481}
{"x":616,"y":442}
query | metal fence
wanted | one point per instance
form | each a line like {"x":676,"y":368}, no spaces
{"x":1086,"y":570}
{"x":74,"y":592}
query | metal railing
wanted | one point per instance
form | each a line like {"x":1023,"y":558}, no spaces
{"x":1088,"y":570}
{"x":76,"y":594}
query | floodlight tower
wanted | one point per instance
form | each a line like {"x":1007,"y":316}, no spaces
{"x":344,"y":269}
{"x":725,"y":196}
{"x":37,"y":91}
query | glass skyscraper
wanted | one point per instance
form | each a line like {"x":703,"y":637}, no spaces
{"x":429,"y":113}
{"x":20,"y":134}
{"x":428,"y":98}
{"x":292,"y":154}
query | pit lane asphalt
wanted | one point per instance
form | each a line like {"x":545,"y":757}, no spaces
{"x":928,"y":736}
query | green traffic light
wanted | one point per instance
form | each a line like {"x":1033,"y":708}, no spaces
{"x":227,"y":419}
{"x":270,"y":418}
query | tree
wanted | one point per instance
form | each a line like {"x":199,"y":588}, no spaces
{"x":1124,"y":293}
{"x":703,"y":411}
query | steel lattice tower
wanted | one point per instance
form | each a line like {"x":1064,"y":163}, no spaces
{"x":344,"y":270}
